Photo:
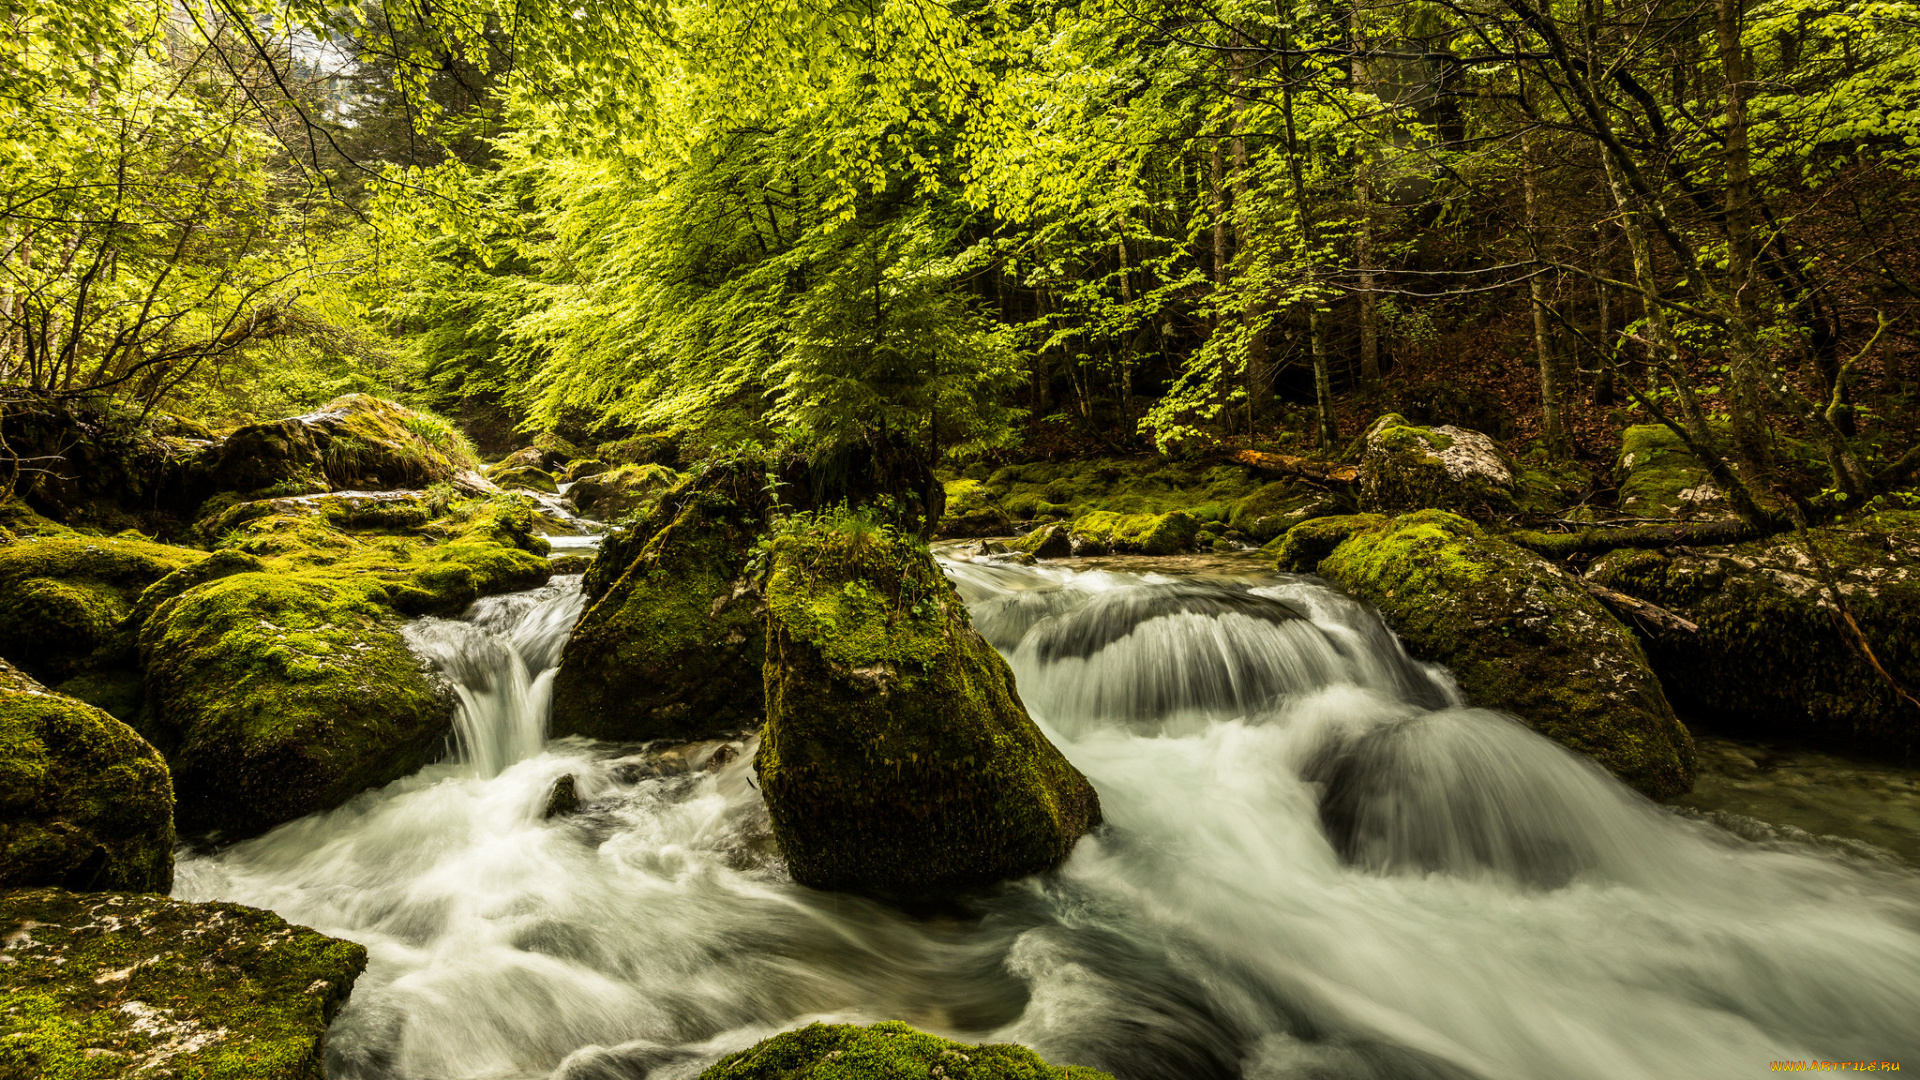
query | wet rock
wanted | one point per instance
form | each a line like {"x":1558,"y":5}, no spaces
{"x":85,"y":803}
{"x":1408,"y":468}
{"x":889,"y":1049}
{"x":356,"y":442}
{"x":1521,"y":636}
{"x":66,"y":599}
{"x":1046,"y":542}
{"x":340,"y":509}
{"x":897,"y":758}
{"x":611,"y":494}
{"x":570,"y":564}
{"x":563,"y":799}
{"x":672,"y":640}
{"x":1773,"y":652}
{"x":1304,"y":545}
{"x":275,"y":695}
{"x":101,"y":985}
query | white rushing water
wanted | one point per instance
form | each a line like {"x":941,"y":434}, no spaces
{"x":1315,"y":864}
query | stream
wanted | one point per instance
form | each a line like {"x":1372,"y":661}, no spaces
{"x":1316,"y":863}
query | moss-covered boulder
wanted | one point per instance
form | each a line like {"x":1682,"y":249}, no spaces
{"x":391,"y":510}
{"x":622,"y":490}
{"x":1521,"y":636}
{"x":886,"y":1051}
{"x":85,"y":803}
{"x":1053,"y":541}
{"x":1405,"y":467}
{"x":972,"y":510}
{"x":1105,"y":532}
{"x":65,"y":599}
{"x":524,"y":477}
{"x":356,"y":442}
{"x":1658,"y":477}
{"x":1773,"y":652}
{"x":104,"y":986}
{"x":672,"y":640}
{"x":275,"y":695}
{"x":897,"y":757}
{"x":1271,"y":511}
{"x":650,"y":448}
{"x":1304,"y":545}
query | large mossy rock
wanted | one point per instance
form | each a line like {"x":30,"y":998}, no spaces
{"x":100,"y":986}
{"x":275,"y":695}
{"x":1405,"y":467}
{"x":356,"y":442}
{"x":65,"y":599}
{"x":621,"y":490}
{"x":1658,"y":477}
{"x":85,"y":803}
{"x":1104,"y":532}
{"x":885,"y":1051}
{"x":672,"y":640}
{"x":1521,"y":636}
{"x":1773,"y":652}
{"x":897,"y":757}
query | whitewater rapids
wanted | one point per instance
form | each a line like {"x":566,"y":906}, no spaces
{"x":1315,"y":864}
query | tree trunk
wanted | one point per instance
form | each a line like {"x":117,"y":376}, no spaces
{"x":1551,"y":423}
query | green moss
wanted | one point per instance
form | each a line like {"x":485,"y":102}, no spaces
{"x":1408,"y":468}
{"x":530,"y":477}
{"x":115,"y":692}
{"x":1770,"y":654}
{"x":1144,"y":534}
{"x":1045,"y":542}
{"x":1520,"y":636}
{"x":278,"y":694}
{"x":622,"y":490}
{"x":1273,"y":509}
{"x":897,"y":758}
{"x":102,"y":986}
{"x":671,"y":643}
{"x":889,"y":1050}
{"x":1304,"y":545}
{"x":654,"y":448}
{"x":972,"y":510}
{"x":66,"y":598}
{"x":84,"y":801}
{"x":1659,"y":477}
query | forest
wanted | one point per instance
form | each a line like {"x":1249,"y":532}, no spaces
{"x":842,"y":539}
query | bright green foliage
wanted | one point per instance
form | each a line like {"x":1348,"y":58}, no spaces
{"x":1764,"y":610}
{"x":885,"y":1051}
{"x":106,"y":986}
{"x":84,"y":802}
{"x":897,"y":757}
{"x":1521,"y":636}
{"x":275,"y":695}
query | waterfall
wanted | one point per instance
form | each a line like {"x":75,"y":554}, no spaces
{"x":1317,"y":863}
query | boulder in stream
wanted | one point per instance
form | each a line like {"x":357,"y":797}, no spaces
{"x":275,"y":695}
{"x":620,"y":490}
{"x":889,"y":1049}
{"x":1773,"y":652}
{"x":897,"y":757}
{"x":129,"y":985}
{"x":1521,"y":636}
{"x":85,"y":803}
{"x":673,"y":638}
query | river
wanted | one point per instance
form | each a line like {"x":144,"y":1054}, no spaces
{"x":1316,"y":863}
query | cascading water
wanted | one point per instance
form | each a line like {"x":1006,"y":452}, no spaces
{"x":1316,"y":864}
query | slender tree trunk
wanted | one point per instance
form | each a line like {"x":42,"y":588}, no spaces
{"x":1369,"y":303}
{"x":1326,"y":432}
{"x":1746,"y":382}
{"x":1551,"y":423}
{"x":1252,"y":311}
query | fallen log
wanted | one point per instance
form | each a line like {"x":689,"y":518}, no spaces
{"x":1322,"y":472}
{"x":1633,"y":609}
{"x":1599,"y":541}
